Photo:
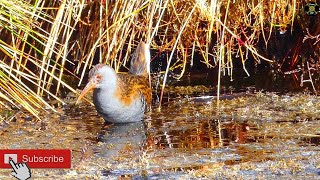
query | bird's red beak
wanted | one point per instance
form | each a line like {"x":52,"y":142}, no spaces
{"x":91,"y":85}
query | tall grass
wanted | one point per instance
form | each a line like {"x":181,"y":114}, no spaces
{"x":42,"y":41}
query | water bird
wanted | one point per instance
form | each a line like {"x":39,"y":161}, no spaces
{"x":121,"y":97}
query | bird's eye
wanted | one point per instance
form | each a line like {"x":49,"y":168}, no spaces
{"x":99,"y":77}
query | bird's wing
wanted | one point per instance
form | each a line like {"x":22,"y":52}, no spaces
{"x":131,"y":87}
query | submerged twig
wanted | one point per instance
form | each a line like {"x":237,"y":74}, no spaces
{"x":309,"y":36}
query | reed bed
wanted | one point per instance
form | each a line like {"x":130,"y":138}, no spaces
{"x":42,"y":42}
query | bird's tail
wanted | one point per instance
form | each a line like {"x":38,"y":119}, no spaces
{"x":140,"y":62}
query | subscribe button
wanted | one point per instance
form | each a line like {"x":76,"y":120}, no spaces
{"x":40,"y":158}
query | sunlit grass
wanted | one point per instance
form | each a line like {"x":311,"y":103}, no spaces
{"x":41,"y":41}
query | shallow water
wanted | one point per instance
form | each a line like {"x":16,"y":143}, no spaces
{"x":254,"y":135}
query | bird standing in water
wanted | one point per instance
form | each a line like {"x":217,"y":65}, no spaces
{"x":121,"y":97}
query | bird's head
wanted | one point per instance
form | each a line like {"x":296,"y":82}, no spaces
{"x":100,"y":76}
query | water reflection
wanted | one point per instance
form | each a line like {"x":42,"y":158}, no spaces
{"x":199,"y":134}
{"x":174,"y":130}
{"x":122,"y":138}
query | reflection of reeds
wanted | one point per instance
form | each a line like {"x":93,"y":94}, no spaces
{"x":203,"y":134}
{"x":41,"y":40}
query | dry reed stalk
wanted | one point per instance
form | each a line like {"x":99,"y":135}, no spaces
{"x":23,"y":49}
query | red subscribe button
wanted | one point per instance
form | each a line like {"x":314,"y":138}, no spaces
{"x":40,"y":158}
